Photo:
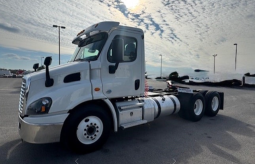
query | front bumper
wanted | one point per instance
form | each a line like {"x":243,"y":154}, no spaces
{"x":40,"y":132}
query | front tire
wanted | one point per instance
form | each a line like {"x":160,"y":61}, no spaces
{"x":86,"y":129}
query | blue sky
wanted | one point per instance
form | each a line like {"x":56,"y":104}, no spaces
{"x":186,"y":32}
{"x":24,"y":59}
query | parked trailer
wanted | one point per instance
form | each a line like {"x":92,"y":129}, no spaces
{"x":99,"y":90}
{"x":5,"y":73}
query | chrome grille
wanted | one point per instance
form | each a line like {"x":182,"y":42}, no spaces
{"x":22,"y":96}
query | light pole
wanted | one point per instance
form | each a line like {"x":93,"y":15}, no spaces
{"x":214,"y":61}
{"x":161,"y":66}
{"x":236,"y":55}
{"x":41,"y":60}
{"x":59,"y":39}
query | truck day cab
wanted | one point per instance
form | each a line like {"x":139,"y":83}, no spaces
{"x":101,"y":89}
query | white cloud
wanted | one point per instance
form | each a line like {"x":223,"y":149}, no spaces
{"x":187,"y":33}
{"x":19,"y":41}
{"x":16,"y":57}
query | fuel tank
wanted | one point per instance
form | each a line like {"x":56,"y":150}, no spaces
{"x":142,"y":110}
{"x":155,"y":107}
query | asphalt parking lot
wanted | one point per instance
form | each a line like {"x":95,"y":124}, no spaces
{"x":227,"y":138}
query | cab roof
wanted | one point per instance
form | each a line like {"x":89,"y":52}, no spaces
{"x":106,"y":26}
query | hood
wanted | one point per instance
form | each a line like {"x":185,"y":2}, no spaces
{"x":63,"y":69}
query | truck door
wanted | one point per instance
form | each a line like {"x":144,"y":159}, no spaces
{"x":127,"y":79}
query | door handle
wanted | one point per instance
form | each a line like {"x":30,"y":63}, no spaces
{"x":137,"y":84}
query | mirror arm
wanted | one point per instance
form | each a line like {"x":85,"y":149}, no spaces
{"x":113,"y":68}
{"x":116,"y":66}
{"x":49,"y":82}
{"x":47,"y":73}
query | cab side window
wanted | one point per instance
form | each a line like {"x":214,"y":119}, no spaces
{"x":130,"y":49}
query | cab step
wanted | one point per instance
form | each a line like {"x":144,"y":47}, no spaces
{"x":135,"y":123}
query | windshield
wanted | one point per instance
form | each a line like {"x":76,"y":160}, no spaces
{"x":89,"y":48}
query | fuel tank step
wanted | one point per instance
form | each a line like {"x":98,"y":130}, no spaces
{"x":131,"y":124}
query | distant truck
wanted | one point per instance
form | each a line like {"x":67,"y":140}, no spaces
{"x":101,"y":89}
{"x":5,"y":73}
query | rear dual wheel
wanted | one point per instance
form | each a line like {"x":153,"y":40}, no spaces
{"x":212,"y":99}
{"x":197,"y":109}
{"x":200,"y":105}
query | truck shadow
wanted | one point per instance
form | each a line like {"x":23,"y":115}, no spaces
{"x":16,"y":91}
{"x":165,"y":140}
{"x":21,"y":152}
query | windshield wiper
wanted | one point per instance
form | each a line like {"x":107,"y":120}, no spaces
{"x":78,"y":59}
{"x":90,"y":58}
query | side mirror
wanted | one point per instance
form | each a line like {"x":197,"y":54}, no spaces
{"x":47,"y":61}
{"x":117,"y":54}
{"x":48,"y":82}
{"x":35,"y":66}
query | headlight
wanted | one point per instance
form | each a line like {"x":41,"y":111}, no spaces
{"x":41,"y":106}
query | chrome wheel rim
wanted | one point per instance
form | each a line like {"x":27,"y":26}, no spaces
{"x":198,"y":107}
{"x":89,"y":130}
{"x":215,"y":103}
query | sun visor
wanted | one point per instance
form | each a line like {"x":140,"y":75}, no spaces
{"x":102,"y":26}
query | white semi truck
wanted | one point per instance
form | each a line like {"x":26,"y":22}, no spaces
{"x":101,"y":89}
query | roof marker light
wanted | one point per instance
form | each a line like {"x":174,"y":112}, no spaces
{"x":80,"y":32}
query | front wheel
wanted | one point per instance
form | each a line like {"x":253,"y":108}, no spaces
{"x":86,"y":129}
